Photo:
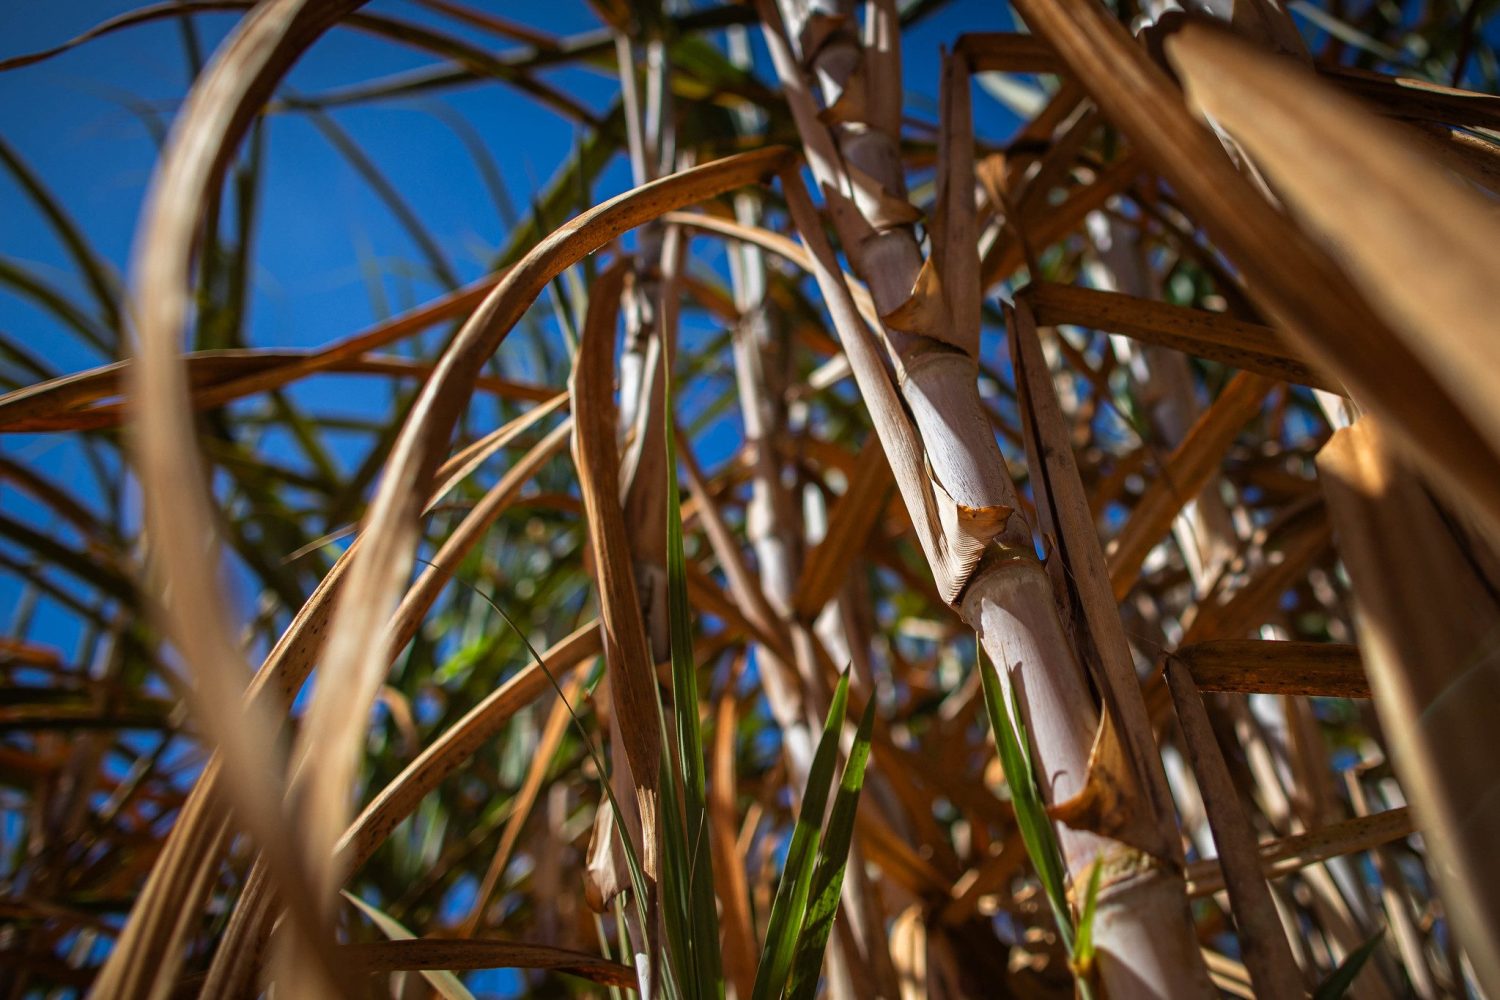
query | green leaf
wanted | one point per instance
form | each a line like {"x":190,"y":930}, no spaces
{"x":1339,"y":980}
{"x":1031,"y":815}
{"x":28,"y":285}
{"x":632,"y":857}
{"x":448,"y":986}
{"x":97,"y":274}
{"x":696,"y":913}
{"x":790,"y":903}
{"x":388,"y":193}
{"x":557,"y":200}
{"x":833,"y":857}
{"x":1083,"y":947}
{"x":675,"y":881}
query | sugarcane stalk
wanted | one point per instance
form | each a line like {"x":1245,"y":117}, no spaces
{"x":985,"y":563}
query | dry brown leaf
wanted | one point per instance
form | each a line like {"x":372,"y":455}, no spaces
{"x":783,"y":246}
{"x":955,"y":235}
{"x":1032,"y":200}
{"x":218,"y":377}
{"x":1267,"y":957}
{"x":604,"y":869}
{"x":1008,"y":252}
{"x":1411,"y":98}
{"x":290,"y":662}
{"x":992,"y":875}
{"x":909,"y":951}
{"x":1228,"y":975}
{"x":178,"y":511}
{"x":851,"y":106}
{"x":1428,"y":621}
{"x":1232,"y":611}
{"x":1182,"y":476}
{"x":1036,"y":136}
{"x":1108,"y":803}
{"x":1288,"y":854}
{"x":524,"y":800}
{"x":1464,"y":153}
{"x":880,"y":208}
{"x":926,"y":311}
{"x":854,"y":516}
{"x":731,"y":886}
{"x":1421,"y":249}
{"x":632,"y":671}
{"x":501,"y":307}
{"x":1267,"y":23}
{"x":1214,"y":336}
{"x":444,"y":953}
{"x":1007,"y":52}
{"x":1064,"y":513}
{"x":390,"y":533}
{"x":882,"y":67}
{"x":458,"y":467}
{"x":819,"y":30}
{"x":274,"y":367}
{"x":1288,"y":274}
{"x":447,"y":752}
{"x":748,"y":591}
{"x":1245,"y":666}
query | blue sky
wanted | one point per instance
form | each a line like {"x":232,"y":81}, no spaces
{"x":71,"y":119}
{"x":80,"y":121}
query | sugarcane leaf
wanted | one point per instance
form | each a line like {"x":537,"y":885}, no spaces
{"x":698,"y":913}
{"x":1083,"y":945}
{"x":833,"y":856}
{"x":790,"y":902}
{"x":447,"y":985}
{"x":17,"y":279}
{"x":1031,"y":815}
{"x":103,"y":283}
{"x":1339,"y":980}
{"x":632,"y":856}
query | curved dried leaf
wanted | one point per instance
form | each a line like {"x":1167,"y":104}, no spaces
{"x":179,"y":513}
{"x":1293,"y":278}
{"x":1422,"y":250}
{"x":440,"y":953}
{"x":632,"y":671}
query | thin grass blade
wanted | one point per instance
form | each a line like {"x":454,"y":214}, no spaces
{"x":1338,"y":983}
{"x":833,"y":856}
{"x":790,"y":903}
{"x":447,"y":985}
{"x":1031,"y":814}
{"x":700,"y":912}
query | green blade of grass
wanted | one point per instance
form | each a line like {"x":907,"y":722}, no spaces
{"x":1339,"y":980}
{"x":28,"y":285}
{"x":102,"y":282}
{"x":1031,"y":815}
{"x":1083,"y":946}
{"x":447,"y":985}
{"x":698,"y":914}
{"x":790,"y":903}
{"x":675,"y":880}
{"x":389,"y":195}
{"x":632,"y":857}
{"x":833,"y":857}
